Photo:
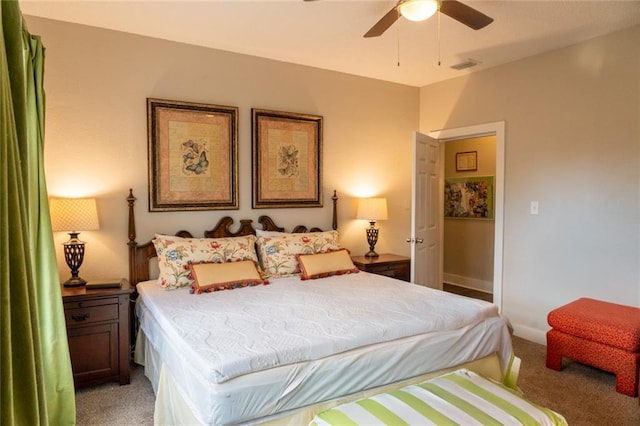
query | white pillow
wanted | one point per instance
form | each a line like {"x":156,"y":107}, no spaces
{"x":263,"y":233}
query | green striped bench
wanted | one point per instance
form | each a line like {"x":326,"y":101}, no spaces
{"x":458,"y":398}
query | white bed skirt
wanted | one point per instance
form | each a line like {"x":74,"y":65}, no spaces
{"x":171,"y":408}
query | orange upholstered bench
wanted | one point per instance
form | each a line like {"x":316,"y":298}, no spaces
{"x":600,"y":334}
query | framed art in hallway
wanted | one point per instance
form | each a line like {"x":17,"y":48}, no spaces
{"x":287,"y":159}
{"x":466,"y":161}
{"x":468,"y":197}
{"x":193,"y":162}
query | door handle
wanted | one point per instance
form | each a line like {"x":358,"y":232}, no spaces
{"x":417,"y":240}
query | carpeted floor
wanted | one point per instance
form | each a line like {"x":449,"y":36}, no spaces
{"x":585,"y":396}
{"x":111,"y":404}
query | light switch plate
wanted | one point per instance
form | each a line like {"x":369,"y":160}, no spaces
{"x":533,"y":209}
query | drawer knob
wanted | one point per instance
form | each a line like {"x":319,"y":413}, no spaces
{"x":80,"y":317}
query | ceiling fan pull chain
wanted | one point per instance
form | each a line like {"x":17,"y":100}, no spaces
{"x":398,"y":47}
{"x":438,"y":18}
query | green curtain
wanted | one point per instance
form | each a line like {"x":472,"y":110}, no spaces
{"x":36,"y":378}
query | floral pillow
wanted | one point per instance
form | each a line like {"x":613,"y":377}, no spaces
{"x":278,"y":253}
{"x":175,"y":254}
{"x":210,"y":277}
{"x":321,"y":265}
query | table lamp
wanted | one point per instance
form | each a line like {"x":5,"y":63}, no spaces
{"x":372,"y":209}
{"x":74,"y":215}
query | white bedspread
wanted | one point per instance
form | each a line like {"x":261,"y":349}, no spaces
{"x":240,"y":355}
{"x":235,"y":332}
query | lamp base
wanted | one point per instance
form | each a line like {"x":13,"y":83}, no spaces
{"x":74,"y":254}
{"x":74,"y":282}
{"x":372,"y":239}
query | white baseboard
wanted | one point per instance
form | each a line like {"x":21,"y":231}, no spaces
{"x":472,"y":283}
{"x":530,"y":334}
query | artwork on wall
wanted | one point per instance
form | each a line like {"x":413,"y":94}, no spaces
{"x":468,"y":197}
{"x":287,"y":159}
{"x":193,"y":163}
{"x":466,"y":161}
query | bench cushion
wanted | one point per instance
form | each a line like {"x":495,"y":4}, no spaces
{"x":604,"y":322}
{"x":461,"y":397}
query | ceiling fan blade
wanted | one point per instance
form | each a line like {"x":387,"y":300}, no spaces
{"x":467,"y":15}
{"x":383,"y":24}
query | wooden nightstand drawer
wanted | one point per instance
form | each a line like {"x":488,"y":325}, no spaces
{"x":88,"y":303}
{"x":389,"y":265}
{"x":396,"y":271}
{"x":91,"y":314}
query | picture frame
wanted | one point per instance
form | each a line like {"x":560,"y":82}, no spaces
{"x":469,"y":197}
{"x":467,"y":161}
{"x":193,"y":162}
{"x":287,"y":159}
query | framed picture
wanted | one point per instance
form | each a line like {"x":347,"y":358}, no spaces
{"x":287,"y":159}
{"x":466,"y":161}
{"x":193,"y":162}
{"x":469,"y":197}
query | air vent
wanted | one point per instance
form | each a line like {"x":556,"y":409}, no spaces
{"x":466,"y":64}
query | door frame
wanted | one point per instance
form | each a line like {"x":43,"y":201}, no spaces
{"x":498,"y":129}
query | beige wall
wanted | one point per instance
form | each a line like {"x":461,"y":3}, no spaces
{"x":468,"y":243}
{"x":572,"y":144}
{"x":97,"y":82}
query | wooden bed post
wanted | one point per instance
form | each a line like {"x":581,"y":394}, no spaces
{"x":132,"y":239}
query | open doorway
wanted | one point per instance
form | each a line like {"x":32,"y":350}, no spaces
{"x":496,"y":129}
{"x":469,"y":228}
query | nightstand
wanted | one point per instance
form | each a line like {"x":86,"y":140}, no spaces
{"x":98,"y":333}
{"x":390,"y":265}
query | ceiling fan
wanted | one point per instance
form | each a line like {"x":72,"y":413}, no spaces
{"x":419,"y":10}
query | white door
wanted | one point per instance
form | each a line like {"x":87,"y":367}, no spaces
{"x":426,"y":213}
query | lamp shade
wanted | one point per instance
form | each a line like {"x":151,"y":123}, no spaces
{"x":418,"y":10}
{"x":73,"y":214}
{"x":372,"y":209}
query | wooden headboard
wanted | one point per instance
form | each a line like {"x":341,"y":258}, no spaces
{"x":141,"y":254}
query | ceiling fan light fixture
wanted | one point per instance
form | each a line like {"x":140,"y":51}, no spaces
{"x":418,"y":10}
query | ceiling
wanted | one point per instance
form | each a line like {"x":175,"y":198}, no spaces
{"x":328,"y":33}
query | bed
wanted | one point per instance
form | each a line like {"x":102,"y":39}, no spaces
{"x":283,"y":350}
